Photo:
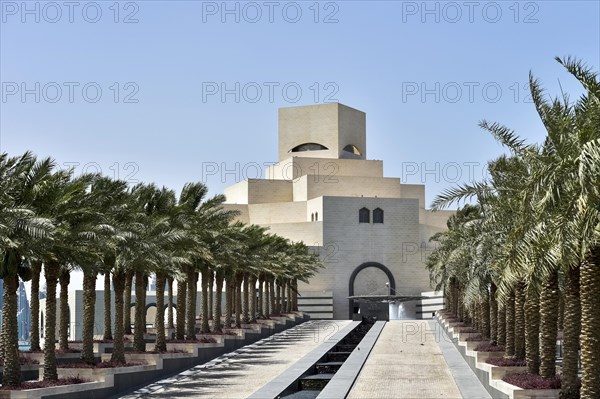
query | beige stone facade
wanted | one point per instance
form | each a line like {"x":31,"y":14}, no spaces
{"x":315,"y":194}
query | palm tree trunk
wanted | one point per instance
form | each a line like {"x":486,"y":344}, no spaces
{"x":229,"y":305}
{"x":278,"y":297}
{"x":217,"y":322}
{"x":127,"y":302}
{"x":532,"y":330}
{"x":3,"y":333}
{"x":493,"y":314}
{"x":170,"y":301}
{"x":246,"y":297}
{"x":211,"y":303}
{"x":501,"y":333}
{"x":146,"y":278}
{"x":510,"y":325}
{"x":89,"y":310}
{"x":118,"y":354}
{"x":159,"y":321}
{"x":284,"y":298}
{"x":252,"y":293}
{"x":63,"y":331}
{"x":485,"y":315}
{"x":181,"y":311}
{"x":272,"y":297}
{"x":51,"y":270}
{"x":455,"y":298}
{"x":520,"y":321}
{"x":34,"y":306}
{"x":107,"y":307}
{"x":192,"y":292}
{"x":238,"y":301}
{"x":204,"y":327}
{"x":140,"y":313}
{"x":259,"y":303}
{"x":267,"y":300}
{"x":289,"y":297}
{"x":561,"y":312}
{"x":460,"y":309}
{"x":282,"y":304}
{"x":12,"y":367}
{"x":549,"y":326}
{"x":590,"y":325}
{"x":295,"y":295}
{"x":449,"y":292}
{"x":572,"y":328}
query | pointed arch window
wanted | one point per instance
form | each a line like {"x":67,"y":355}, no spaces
{"x":351,"y":148}
{"x":378,"y":215}
{"x":364,"y":215}
{"x":316,"y":216}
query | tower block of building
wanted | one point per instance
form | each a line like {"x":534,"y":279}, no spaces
{"x":371,"y":231}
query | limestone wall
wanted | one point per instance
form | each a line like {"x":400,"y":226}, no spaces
{"x":294,"y":167}
{"x":331,"y":125}
{"x":347,"y":244}
{"x":259,"y":191}
{"x":309,"y":187}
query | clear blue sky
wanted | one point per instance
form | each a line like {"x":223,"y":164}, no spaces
{"x":387,"y":58}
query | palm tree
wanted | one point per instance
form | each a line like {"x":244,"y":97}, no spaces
{"x":572,"y":190}
{"x":155,"y":211}
{"x":22,"y":231}
{"x":110,"y":199}
{"x":555,"y":232}
{"x":65,"y":202}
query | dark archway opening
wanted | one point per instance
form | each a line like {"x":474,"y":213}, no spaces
{"x":351,"y":302}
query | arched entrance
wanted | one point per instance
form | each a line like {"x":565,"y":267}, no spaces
{"x":367,"y":279}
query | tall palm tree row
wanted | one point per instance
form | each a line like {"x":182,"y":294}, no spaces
{"x":530,"y":240}
{"x":54,"y":222}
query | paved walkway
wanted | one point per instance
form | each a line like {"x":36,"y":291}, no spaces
{"x":408,"y":361}
{"x":239,"y":374}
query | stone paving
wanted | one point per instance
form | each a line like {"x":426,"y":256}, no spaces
{"x":407,"y":361}
{"x":240,"y":373}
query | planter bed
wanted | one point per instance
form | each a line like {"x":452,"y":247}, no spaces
{"x":504,"y":362}
{"x":467,"y":337}
{"x":60,"y":357}
{"x":100,"y":374}
{"x":516,"y":392}
{"x":465,"y":330}
{"x":471,"y":345}
{"x":149,"y":358}
{"x":28,"y":372}
{"x":192,"y":347}
{"x":492,"y":376}
{"x":267,"y":322}
{"x":56,"y":390}
{"x":100,"y":346}
{"x":487,"y":347}
{"x":23,"y":361}
{"x":482,"y":357}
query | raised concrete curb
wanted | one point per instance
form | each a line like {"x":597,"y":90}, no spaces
{"x":468,"y":384}
{"x":286,"y":381}
{"x":343,"y":380}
